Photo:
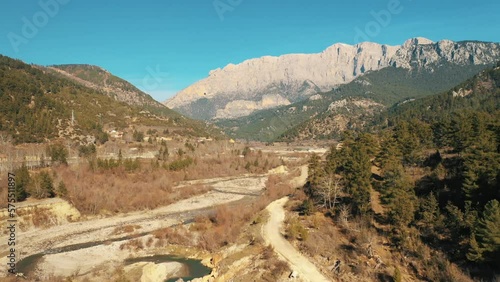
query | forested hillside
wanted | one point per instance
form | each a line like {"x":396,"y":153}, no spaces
{"x":437,"y":168}
{"x":366,"y":96}
{"x":119,"y":89}
{"x":37,"y":105}
{"x":480,"y":93}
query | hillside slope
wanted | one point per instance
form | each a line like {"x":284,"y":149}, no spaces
{"x":37,"y":105}
{"x":349,"y":106}
{"x":479,"y":93}
{"x":119,"y":89}
{"x":433,"y":168}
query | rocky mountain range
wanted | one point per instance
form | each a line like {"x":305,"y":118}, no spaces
{"x":269,"y":82}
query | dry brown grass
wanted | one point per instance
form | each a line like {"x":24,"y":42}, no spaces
{"x":37,"y":216}
{"x":41,"y":217}
{"x":115,"y":190}
{"x":94,"y":193}
{"x":228,"y":220}
{"x":224,"y":226}
{"x":12,"y":278}
{"x":328,"y":241}
{"x":173,"y":235}
{"x":274,"y":269}
{"x":132,"y":245}
{"x":125,"y":229}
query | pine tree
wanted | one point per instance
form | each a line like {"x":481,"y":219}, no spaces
{"x":120,"y":156}
{"x":23,"y":181}
{"x":389,"y":152}
{"x":58,"y":153}
{"x":442,"y":133}
{"x":402,"y":209}
{"x":488,"y":234}
{"x":475,"y":253}
{"x":315,"y":170}
{"x":462,"y":132}
{"x":470,"y":186}
{"x":429,"y":214}
{"x":356,"y":174}
{"x":46,"y":185}
{"x":369,"y":143}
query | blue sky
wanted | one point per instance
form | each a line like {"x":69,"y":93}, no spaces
{"x":163,"y":46}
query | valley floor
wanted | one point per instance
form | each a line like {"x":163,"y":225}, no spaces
{"x":225,"y":190}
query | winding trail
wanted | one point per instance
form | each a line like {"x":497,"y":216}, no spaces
{"x":272,"y":235}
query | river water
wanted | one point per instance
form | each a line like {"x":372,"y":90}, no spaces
{"x":195,"y":268}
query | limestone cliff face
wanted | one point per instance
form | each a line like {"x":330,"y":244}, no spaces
{"x":420,"y":52}
{"x":255,"y":84}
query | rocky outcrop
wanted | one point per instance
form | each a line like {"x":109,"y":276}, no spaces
{"x":239,"y":90}
{"x":43,"y":213}
{"x":238,"y":108}
{"x":152,"y":272}
{"x":414,"y":53}
{"x":341,"y":115}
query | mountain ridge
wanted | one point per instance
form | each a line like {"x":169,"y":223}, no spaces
{"x":385,"y":87}
{"x":39,"y":104}
{"x":101,"y":79}
{"x":294,"y":77}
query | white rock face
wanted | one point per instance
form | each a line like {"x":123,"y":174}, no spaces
{"x":316,"y":97}
{"x":152,"y":272}
{"x":238,"y":90}
{"x":240,"y":108}
{"x":462,"y":93}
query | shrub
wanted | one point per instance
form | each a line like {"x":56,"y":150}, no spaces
{"x":131,"y":165}
{"x":295,"y":230}
{"x":87,"y":151}
{"x":189,"y":146}
{"x":57,"y":153}
{"x":307,"y":207}
{"x":43,"y":186}
{"x":23,"y":182}
{"x":133,"y":245}
{"x":61,"y":190}
{"x":246,"y":151}
{"x":138,"y":136}
{"x":106,"y":164}
{"x":101,"y":137}
{"x":180,"y":164}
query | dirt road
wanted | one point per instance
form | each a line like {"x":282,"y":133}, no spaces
{"x":272,"y":235}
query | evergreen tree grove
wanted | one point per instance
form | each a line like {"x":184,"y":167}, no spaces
{"x":485,"y":242}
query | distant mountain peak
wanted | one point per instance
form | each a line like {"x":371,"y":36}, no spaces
{"x":417,"y":41}
{"x":286,"y":76}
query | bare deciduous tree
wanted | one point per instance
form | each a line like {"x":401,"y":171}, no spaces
{"x":330,"y":190}
{"x":344,"y":214}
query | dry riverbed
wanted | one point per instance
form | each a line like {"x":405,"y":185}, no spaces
{"x":88,"y":259}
